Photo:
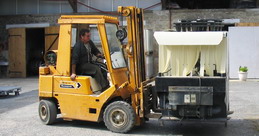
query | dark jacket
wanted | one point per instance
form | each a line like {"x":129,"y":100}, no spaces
{"x":80,"y":54}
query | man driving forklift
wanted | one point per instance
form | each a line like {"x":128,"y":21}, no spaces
{"x":82,"y":62}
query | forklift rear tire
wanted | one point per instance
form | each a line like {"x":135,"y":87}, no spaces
{"x":47,"y":112}
{"x":119,"y":117}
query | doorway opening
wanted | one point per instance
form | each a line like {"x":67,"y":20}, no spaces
{"x":35,"y":46}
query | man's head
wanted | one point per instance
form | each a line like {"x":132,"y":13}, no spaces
{"x":85,"y":35}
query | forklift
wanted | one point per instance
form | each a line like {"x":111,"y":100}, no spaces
{"x":131,"y":99}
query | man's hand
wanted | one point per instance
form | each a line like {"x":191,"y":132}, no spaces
{"x":73,"y":76}
{"x":99,"y":55}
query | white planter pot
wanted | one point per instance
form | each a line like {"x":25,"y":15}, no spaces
{"x":242,"y":76}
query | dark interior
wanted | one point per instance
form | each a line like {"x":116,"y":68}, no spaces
{"x":208,"y":4}
{"x":34,"y":50}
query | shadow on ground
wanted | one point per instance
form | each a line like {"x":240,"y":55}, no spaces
{"x":11,"y":102}
{"x":236,"y":127}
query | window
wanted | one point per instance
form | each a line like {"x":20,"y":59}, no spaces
{"x":117,"y":57}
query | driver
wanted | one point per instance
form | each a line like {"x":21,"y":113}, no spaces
{"x":82,"y":54}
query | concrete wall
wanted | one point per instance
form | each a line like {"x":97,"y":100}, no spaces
{"x":156,"y":20}
{"x":24,"y":19}
{"x":159,"y":20}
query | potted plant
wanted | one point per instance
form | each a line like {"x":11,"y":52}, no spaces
{"x":242,"y":74}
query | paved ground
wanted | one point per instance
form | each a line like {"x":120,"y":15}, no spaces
{"x":19,"y":116}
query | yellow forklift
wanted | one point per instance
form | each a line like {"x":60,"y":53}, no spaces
{"x":129,"y":100}
{"x":121,"y":105}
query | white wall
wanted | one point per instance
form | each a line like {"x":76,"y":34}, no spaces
{"x":7,"y":7}
{"x":244,"y":50}
{"x":12,"y":7}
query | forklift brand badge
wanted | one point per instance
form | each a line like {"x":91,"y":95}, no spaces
{"x":70,"y":84}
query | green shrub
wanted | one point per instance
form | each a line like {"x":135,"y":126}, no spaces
{"x":243,"y":69}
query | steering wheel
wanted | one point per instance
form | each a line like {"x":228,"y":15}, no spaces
{"x":102,"y":65}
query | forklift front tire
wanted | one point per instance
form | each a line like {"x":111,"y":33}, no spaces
{"x":47,"y":112}
{"x":119,"y":117}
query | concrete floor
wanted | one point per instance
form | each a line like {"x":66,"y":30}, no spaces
{"x":19,"y":116}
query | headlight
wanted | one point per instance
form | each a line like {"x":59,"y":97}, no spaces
{"x":51,"y":58}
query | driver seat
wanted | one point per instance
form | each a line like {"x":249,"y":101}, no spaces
{"x":95,"y":86}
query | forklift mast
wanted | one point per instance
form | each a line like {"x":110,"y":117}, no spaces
{"x":135,"y":46}
{"x":140,"y":99}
